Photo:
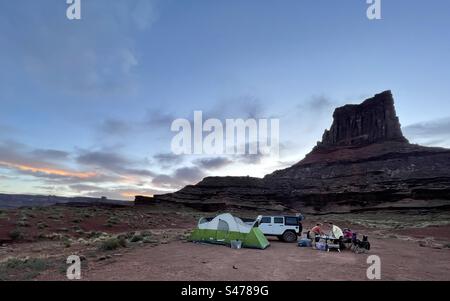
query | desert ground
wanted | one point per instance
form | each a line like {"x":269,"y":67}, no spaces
{"x":149,"y":243}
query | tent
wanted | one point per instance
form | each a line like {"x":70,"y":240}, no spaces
{"x":224,"y":228}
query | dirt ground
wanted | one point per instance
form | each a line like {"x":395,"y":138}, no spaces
{"x":181,"y":261}
{"x":411,"y":246}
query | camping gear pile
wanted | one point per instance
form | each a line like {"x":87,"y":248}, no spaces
{"x":348,"y":240}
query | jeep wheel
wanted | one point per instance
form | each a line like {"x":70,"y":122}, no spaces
{"x":289,"y":236}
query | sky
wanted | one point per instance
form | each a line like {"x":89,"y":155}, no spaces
{"x":86,"y":105}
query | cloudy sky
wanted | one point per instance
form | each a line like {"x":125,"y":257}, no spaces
{"x":86,"y":106}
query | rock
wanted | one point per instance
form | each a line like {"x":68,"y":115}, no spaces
{"x":372,"y":121}
{"x":362,"y":163}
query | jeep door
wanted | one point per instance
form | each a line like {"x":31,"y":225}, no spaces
{"x":266,"y":225}
{"x":278,"y":225}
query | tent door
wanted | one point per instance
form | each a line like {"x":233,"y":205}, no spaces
{"x":222,"y":231}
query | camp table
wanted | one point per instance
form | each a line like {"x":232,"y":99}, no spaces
{"x":331,"y":239}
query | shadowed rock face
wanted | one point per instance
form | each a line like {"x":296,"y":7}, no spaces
{"x":372,"y":121}
{"x":362,"y":163}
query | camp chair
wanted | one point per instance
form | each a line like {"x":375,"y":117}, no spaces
{"x":359,"y":246}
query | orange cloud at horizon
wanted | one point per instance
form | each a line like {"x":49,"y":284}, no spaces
{"x":131,"y":194}
{"x":50,"y":171}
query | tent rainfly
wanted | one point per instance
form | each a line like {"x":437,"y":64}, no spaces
{"x":225,"y":228}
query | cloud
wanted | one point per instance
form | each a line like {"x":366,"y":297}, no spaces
{"x":123,"y":193}
{"x":82,"y":188}
{"x":189,"y":174}
{"x":168,"y":159}
{"x":47,"y":171}
{"x":50,"y":165}
{"x":244,"y":107}
{"x":49,"y":154}
{"x":250,"y":159}
{"x":159,"y":118}
{"x":166,"y":181}
{"x":213,"y":163}
{"x":145,"y":14}
{"x":95,"y":55}
{"x":316,"y":104}
{"x":115,"y":127}
{"x":37,"y":162}
{"x":431,"y":133}
{"x":105,"y":160}
{"x":112,"y":162}
{"x":15,"y":153}
{"x":180,"y":177}
{"x":429,"y":128}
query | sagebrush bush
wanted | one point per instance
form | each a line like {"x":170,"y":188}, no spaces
{"x":136,"y":238}
{"x":15,"y":235}
{"x":113,"y":244}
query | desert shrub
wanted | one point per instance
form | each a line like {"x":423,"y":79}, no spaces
{"x":29,"y":214}
{"x":24,"y":269}
{"x":32,"y":263}
{"x":113,"y":244}
{"x":42,"y":225}
{"x":93,"y":234}
{"x":67,"y":243}
{"x":15,"y":235}
{"x":23,"y":223}
{"x":136,"y":238}
{"x":113,"y":220}
{"x":129,"y":235}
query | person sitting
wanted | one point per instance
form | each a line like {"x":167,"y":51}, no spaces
{"x":316,"y":231}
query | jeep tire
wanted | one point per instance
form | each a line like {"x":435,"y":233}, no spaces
{"x":289,"y":236}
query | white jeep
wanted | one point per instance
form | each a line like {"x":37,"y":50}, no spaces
{"x":286,"y":228}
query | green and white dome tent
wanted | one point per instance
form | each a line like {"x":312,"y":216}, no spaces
{"x":225,"y":228}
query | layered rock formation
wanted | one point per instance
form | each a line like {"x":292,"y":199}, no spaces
{"x":372,"y":121}
{"x":362,"y":163}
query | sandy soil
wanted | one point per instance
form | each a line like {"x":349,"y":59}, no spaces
{"x":401,"y":260}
